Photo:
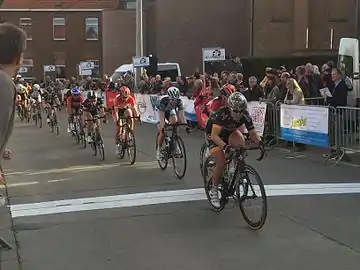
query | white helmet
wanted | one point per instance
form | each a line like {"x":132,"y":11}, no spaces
{"x":173,"y":92}
{"x":36,"y":87}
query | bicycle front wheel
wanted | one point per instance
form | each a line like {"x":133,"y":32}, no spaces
{"x":131,"y":146}
{"x":250,"y":189}
{"x":178,"y":154}
{"x":203,"y":151}
{"x":101,"y":149}
{"x":163,"y":162}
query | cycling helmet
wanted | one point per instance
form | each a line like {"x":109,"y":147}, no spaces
{"x":91,"y":95}
{"x":36,"y":87}
{"x":124,"y":92}
{"x":227,"y":90}
{"x":173,"y":92}
{"x":237,"y":102}
{"x":75,"y":91}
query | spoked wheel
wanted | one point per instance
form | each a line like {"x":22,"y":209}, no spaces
{"x":131,"y":146}
{"x":251,"y":195}
{"x":39,"y":120}
{"x":94,"y":148}
{"x":57,"y":130}
{"x":83,"y":139}
{"x":163,"y":162}
{"x":209,"y":166}
{"x":120,"y":150}
{"x":203,"y":156}
{"x":101,"y":149}
{"x":76,"y":133}
{"x":179,"y":153}
{"x":52,"y":125}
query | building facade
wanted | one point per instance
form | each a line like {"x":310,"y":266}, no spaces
{"x":66,"y":32}
{"x":62,"y":38}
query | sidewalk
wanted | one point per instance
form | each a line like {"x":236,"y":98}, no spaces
{"x":9,"y":258}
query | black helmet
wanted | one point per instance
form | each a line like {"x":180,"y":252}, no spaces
{"x":91,"y":95}
{"x":237,"y":102}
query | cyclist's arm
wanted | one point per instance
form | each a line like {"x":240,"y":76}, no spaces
{"x":133,"y":107}
{"x":215,"y":135}
{"x":181,"y":113}
{"x":254,"y":136}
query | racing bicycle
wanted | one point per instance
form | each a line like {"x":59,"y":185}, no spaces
{"x":97,"y":144}
{"x":37,"y":116}
{"x":77,"y":132}
{"x":126,"y":140}
{"x":54,"y":123}
{"x":173,"y":148}
{"x":236,"y":183}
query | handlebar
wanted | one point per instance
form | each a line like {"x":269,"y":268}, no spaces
{"x":95,"y":118}
{"x":252,"y":147}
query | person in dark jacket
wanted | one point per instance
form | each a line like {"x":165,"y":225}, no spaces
{"x":340,"y":91}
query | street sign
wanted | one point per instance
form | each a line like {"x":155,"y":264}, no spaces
{"x":141,"y":62}
{"x":87,"y":65}
{"x":213,"y":54}
{"x":23,"y":70}
{"x":85,"y":72}
{"x":49,"y":68}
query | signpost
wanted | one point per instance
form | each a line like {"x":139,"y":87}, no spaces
{"x":85,"y":68}
{"x":48,"y":68}
{"x":139,"y":62}
{"x":22,"y":70}
{"x":212,"y":54}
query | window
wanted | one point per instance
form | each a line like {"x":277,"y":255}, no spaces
{"x":130,"y":5}
{"x":26,"y":25}
{"x":92,"y":29}
{"x":59,"y":28}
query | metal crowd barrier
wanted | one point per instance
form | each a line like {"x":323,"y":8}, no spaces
{"x":343,"y":129}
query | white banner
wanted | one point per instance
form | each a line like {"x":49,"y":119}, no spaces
{"x":147,"y":107}
{"x":257,"y":112}
{"x":305,"y":124}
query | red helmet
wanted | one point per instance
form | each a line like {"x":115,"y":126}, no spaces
{"x":227,"y":90}
{"x":124,"y":92}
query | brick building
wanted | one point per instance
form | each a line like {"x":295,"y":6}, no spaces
{"x":61,"y":34}
{"x":176,"y":30}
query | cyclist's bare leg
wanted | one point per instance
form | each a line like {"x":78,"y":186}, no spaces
{"x":236,"y":139}
{"x":219,"y":157}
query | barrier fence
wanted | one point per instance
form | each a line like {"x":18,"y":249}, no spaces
{"x":334,"y":129}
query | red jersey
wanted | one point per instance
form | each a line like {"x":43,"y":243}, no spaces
{"x":124,"y":103}
{"x":74,"y":101}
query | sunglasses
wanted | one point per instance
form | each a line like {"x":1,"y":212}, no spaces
{"x":237,"y":111}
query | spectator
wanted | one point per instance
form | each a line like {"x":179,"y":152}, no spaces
{"x":272,"y":92}
{"x":144,"y":85}
{"x":157,"y":85}
{"x":295,"y":91}
{"x":239,"y":84}
{"x":302,"y":80}
{"x":255,"y":91}
{"x":311,"y":80}
{"x":340,"y":91}
{"x":12,"y":46}
{"x":199,"y":86}
{"x":282,"y":86}
{"x":182,"y":84}
{"x":166,"y":85}
{"x":264,"y":81}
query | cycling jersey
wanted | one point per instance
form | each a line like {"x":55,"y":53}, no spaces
{"x":167,"y":104}
{"x":228,"y":124}
{"x":124,"y":103}
{"x":50,"y":97}
{"x":93,"y":108}
{"x":74,"y":101}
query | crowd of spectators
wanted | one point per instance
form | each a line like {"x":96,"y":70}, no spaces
{"x":300,"y":85}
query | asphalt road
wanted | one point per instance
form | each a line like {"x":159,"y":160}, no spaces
{"x":64,"y":217}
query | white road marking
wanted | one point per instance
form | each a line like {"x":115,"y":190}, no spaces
{"x":59,"y":180}
{"x":162,"y":197}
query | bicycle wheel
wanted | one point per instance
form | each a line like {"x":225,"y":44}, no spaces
{"x":131,"y":145}
{"x":179,"y":152}
{"x":39,"y":120}
{"x":163,"y":162}
{"x":52,"y":127}
{"x":120,"y":150}
{"x":76,"y":132}
{"x":208,"y":169}
{"x":101,"y":149}
{"x":203,"y":156}
{"x":247,"y":190}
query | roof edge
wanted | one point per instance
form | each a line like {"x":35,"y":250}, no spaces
{"x":51,"y":9}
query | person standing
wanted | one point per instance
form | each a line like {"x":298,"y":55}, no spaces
{"x":12,"y":47}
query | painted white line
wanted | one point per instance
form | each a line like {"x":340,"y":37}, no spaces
{"x":162,"y":197}
{"x":59,"y":180}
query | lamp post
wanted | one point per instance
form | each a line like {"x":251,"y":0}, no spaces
{"x":139,"y":36}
